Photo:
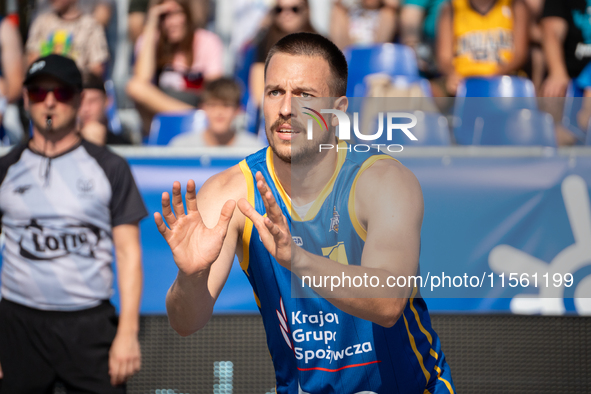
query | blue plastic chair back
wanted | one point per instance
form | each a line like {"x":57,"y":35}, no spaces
{"x":503,"y":86}
{"x":572,"y":106}
{"x":111,"y":109}
{"x":523,"y":127}
{"x":479,"y":97}
{"x":166,"y":126}
{"x":432,"y":129}
{"x":391,"y":59}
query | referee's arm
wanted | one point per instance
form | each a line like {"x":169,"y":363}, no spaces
{"x":125,"y":356}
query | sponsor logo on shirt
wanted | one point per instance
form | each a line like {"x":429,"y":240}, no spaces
{"x":52,"y":238}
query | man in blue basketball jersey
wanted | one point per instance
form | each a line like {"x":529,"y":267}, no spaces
{"x":304,"y":213}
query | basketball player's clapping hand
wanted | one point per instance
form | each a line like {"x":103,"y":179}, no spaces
{"x":194,"y":246}
{"x":273,"y":228}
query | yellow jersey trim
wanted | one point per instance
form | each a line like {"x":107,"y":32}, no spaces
{"x":278,"y":185}
{"x":352,"y":214}
{"x":447,"y":384}
{"x":417,"y":353}
{"x":247,"y":233}
{"x":256,"y":299}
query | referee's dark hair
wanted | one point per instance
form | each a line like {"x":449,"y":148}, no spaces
{"x":310,"y":44}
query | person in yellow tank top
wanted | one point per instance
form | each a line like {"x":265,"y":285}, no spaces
{"x":481,"y":38}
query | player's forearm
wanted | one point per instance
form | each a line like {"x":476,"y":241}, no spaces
{"x":381,"y":304}
{"x":189,"y":304}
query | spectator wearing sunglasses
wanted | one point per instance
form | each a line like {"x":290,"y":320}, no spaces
{"x":65,"y":203}
{"x":362,"y":22}
{"x":174,"y":60}
{"x":68,"y":31}
{"x":287,"y":17}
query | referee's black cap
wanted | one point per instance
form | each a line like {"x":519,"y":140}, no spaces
{"x":59,"y":67}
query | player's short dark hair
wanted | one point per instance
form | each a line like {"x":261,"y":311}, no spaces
{"x":93,"y":81}
{"x":224,"y":89}
{"x":310,"y":44}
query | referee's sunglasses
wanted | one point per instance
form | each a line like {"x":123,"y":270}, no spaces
{"x":61,"y":94}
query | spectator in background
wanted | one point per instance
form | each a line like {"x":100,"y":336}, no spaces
{"x":481,"y":38}
{"x":92,"y":119}
{"x":288,"y":16}
{"x":176,"y":56}
{"x":221,"y":104}
{"x":363,"y":22}
{"x":537,"y":63}
{"x":101,"y":10}
{"x":566,"y":29}
{"x":138,"y":9}
{"x":67,"y":31}
{"x":11,"y":64}
{"x":418,"y":26}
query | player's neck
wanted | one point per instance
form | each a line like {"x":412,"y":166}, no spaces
{"x":52,"y":145}
{"x":303,"y":183}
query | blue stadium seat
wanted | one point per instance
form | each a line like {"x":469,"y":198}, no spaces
{"x":477,"y":97}
{"x":111,"y":111}
{"x":402,"y":82}
{"x":431,"y":130}
{"x":503,"y":86}
{"x":522,"y":127}
{"x":391,"y":59}
{"x":166,"y":126}
{"x":572,"y":106}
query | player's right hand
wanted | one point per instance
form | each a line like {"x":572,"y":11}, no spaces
{"x":194,"y":246}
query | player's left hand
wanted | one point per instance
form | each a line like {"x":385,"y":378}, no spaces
{"x":124,"y":358}
{"x":273,"y":229}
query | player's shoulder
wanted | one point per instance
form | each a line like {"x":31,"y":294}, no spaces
{"x":228,"y":184}
{"x":384,"y":172}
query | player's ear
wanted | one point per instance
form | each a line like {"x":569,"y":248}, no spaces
{"x":342,"y":103}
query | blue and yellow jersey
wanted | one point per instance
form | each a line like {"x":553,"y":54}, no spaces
{"x":482,"y":42}
{"x":315,"y":347}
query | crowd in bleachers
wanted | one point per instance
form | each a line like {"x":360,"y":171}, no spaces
{"x":183,"y":66}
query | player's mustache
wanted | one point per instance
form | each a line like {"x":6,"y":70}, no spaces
{"x":295,"y":125}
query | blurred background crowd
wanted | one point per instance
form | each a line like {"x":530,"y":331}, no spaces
{"x":191,"y":72}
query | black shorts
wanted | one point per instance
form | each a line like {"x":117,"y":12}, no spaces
{"x":38,"y":348}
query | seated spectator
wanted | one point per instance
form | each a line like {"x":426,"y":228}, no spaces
{"x":68,"y":31}
{"x":101,"y":10}
{"x":481,"y":38}
{"x":221,"y":104}
{"x":175,"y":56}
{"x":11,"y":65}
{"x":136,"y":16}
{"x":566,"y":29}
{"x":418,"y":25}
{"x":92,"y":119}
{"x":288,"y":16}
{"x":11,"y":73}
{"x":361,"y":22}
